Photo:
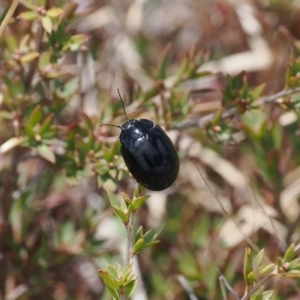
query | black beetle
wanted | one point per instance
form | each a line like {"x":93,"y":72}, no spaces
{"x":148,"y":153}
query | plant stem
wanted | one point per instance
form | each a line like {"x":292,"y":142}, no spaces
{"x":128,"y":247}
{"x":129,"y":239}
{"x":257,"y":286}
{"x":201,"y":123}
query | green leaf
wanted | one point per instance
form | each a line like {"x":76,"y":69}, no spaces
{"x":114,"y":293}
{"x":289,"y":254}
{"x":74,"y":43}
{"x":123,"y":205}
{"x":108,"y":279}
{"x":127,"y":274}
{"x":69,"y":88}
{"x":35,"y":116}
{"x":126,"y":199}
{"x":29,"y":57}
{"x":184,"y":65}
{"x":258,"y":259}
{"x":247,"y":264}
{"x":139,"y":246}
{"x":47,"y":24}
{"x":54,"y":12}
{"x":255,"y":93}
{"x":267,"y":269}
{"x":292,"y":274}
{"x":136,"y":192}
{"x":45,"y":59}
{"x":277,"y":135}
{"x":29,"y":130}
{"x":46,"y":153}
{"x":55,"y":74}
{"x":130,"y":288}
{"x":119,"y":207}
{"x":113,"y":199}
{"x":251,"y":277}
{"x":14,"y":88}
{"x":28,"y":15}
{"x":267,"y":295}
{"x":217,"y":117}
{"x":295,"y":265}
{"x":121,"y":214}
{"x":112,"y":272}
{"x":130,"y":277}
{"x":11,"y":143}
{"x":46,"y":124}
{"x":139,"y":233}
{"x":138,"y":202}
{"x":78,"y":38}
{"x":152,"y":235}
{"x":11,"y":42}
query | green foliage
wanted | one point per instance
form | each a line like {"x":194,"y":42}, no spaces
{"x":62,"y":176}
{"x":119,"y":280}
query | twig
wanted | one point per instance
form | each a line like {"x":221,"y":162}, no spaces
{"x":227,"y":285}
{"x":186,"y":287}
{"x":232,"y":111}
{"x":283,"y":93}
{"x":257,"y":286}
{"x":8,"y":16}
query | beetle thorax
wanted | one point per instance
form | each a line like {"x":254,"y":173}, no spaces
{"x":134,"y":129}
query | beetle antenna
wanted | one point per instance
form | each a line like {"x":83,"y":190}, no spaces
{"x":123,"y":105}
{"x":110,"y":125}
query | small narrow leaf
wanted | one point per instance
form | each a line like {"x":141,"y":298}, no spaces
{"x":115,"y":294}
{"x":128,"y":271}
{"x":113,"y":199}
{"x":35,"y":116}
{"x":289,"y":254}
{"x":126,"y":198}
{"x":29,"y":57}
{"x":130,"y":288}
{"x":28,"y":15}
{"x":152,"y":234}
{"x":139,"y":233}
{"x":267,"y":269}
{"x":108,"y":280}
{"x":46,"y":153}
{"x":47,"y":24}
{"x":139,"y":246}
{"x":121,"y":214}
{"x":292,"y":274}
{"x":247,"y":264}
{"x":11,"y":143}
{"x":112,"y":271}
{"x":257,"y":91}
{"x":258,"y":259}
{"x":139,"y":201}
{"x":46,"y":124}
{"x":54,"y":12}
{"x":251,"y":277}
{"x":267,"y":295}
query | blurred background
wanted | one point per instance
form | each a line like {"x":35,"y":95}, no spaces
{"x":174,"y":62}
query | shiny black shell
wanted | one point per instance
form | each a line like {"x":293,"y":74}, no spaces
{"x":149,"y":154}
